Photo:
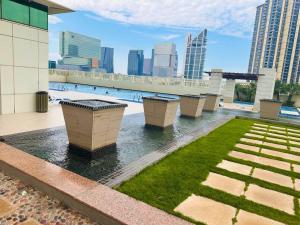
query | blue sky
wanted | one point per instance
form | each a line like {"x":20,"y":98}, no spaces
{"x":229,"y":32}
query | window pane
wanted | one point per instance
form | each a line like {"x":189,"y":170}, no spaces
{"x":38,"y":17}
{"x":15,"y":11}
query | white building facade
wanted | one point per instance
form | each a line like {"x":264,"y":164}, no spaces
{"x":24,"y":52}
{"x":165,"y":61}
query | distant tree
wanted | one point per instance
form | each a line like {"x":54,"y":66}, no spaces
{"x":245,"y":92}
{"x":291,"y":90}
{"x":280,"y":88}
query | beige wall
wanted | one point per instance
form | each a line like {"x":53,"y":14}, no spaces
{"x":23,"y":66}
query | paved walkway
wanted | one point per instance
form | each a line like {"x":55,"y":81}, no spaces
{"x":274,"y":148}
{"x":23,"y":205}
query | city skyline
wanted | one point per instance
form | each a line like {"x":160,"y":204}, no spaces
{"x":228,"y":45}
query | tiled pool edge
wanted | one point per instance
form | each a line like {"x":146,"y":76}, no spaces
{"x":98,"y":202}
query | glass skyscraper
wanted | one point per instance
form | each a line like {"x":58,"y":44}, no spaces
{"x":194,"y":56}
{"x":107,"y":59}
{"x":276,"y":39}
{"x":135,"y":62}
{"x":79,"y":51}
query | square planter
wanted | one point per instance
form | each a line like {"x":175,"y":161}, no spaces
{"x":192,"y":105}
{"x":212,"y":102}
{"x":270,"y":109}
{"x":160,"y":111}
{"x":92,"y":124}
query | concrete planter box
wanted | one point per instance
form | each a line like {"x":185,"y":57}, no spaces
{"x":212,"y":102}
{"x":192,"y":105}
{"x":270,"y":109}
{"x":92,"y":124}
{"x":160,"y":111}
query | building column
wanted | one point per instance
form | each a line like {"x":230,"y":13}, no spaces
{"x":265,"y":86}
{"x":228,"y":92}
{"x":215,"y":81}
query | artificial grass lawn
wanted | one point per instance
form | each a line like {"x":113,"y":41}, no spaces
{"x":169,"y":182}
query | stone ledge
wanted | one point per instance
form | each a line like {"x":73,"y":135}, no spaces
{"x":100,"y":203}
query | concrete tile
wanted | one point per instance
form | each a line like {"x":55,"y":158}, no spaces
{"x":243,"y":156}
{"x":277,"y":131}
{"x":277,"y":128}
{"x":271,"y":198}
{"x":204,"y":210}
{"x":294,"y":130}
{"x":260,"y":125}
{"x":251,"y":141}
{"x":258,"y":132}
{"x":273,"y":163}
{"x":295,"y":149}
{"x":259,"y":128}
{"x":294,"y":138}
{"x":293,"y":134}
{"x":297,"y":184}
{"x":254,"y":135}
{"x":235,"y":167}
{"x":272,"y":177}
{"x":247,"y":218}
{"x":276,"y":140}
{"x":294,"y":143}
{"x":248,"y":147}
{"x":281,"y":154}
{"x":5,"y":207}
{"x":273,"y":145}
{"x":30,"y":222}
{"x":277,"y":135}
{"x":226,"y":184}
{"x":296,"y":168}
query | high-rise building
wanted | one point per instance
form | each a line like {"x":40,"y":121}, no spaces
{"x":165,"y":61}
{"x":194,"y":56}
{"x":276,"y":39}
{"x":135,"y":62}
{"x":107,"y":59}
{"x":51,"y":64}
{"x":24,"y":52}
{"x":79,"y":51}
{"x":148,"y":67}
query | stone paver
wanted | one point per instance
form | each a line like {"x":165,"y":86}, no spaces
{"x":273,"y":145}
{"x":294,"y":130}
{"x":207,"y":211}
{"x":258,"y":132}
{"x":235,"y":167}
{"x":259,"y":128}
{"x":251,"y":141}
{"x":281,"y":154}
{"x":226,"y":184}
{"x":247,"y":218}
{"x":274,"y":163}
{"x":295,"y":149}
{"x":271,"y":198}
{"x":277,"y":135}
{"x":294,"y":134}
{"x":277,"y":128}
{"x":294,"y":138}
{"x":260,"y":125}
{"x":272,"y":177}
{"x":243,"y":156}
{"x":294,"y":143}
{"x":248,"y":147}
{"x":254,"y":135}
{"x":277,"y":131}
{"x":276,"y":140}
{"x":5,"y":207}
{"x":296,"y":168}
{"x":297,"y":184}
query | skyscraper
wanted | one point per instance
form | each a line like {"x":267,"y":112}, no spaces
{"x":194,"y":57}
{"x":107,"y":59}
{"x":276,"y":39}
{"x":165,"y":61}
{"x":135,"y":62}
{"x":147,"y":67}
{"x":79,"y":51}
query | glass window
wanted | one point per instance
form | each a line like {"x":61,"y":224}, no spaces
{"x":38,"y":16}
{"x":15,"y":10}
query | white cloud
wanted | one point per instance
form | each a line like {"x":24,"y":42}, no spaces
{"x":231,"y":17}
{"x":163,"y":37}
{"x":54,"y":19}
